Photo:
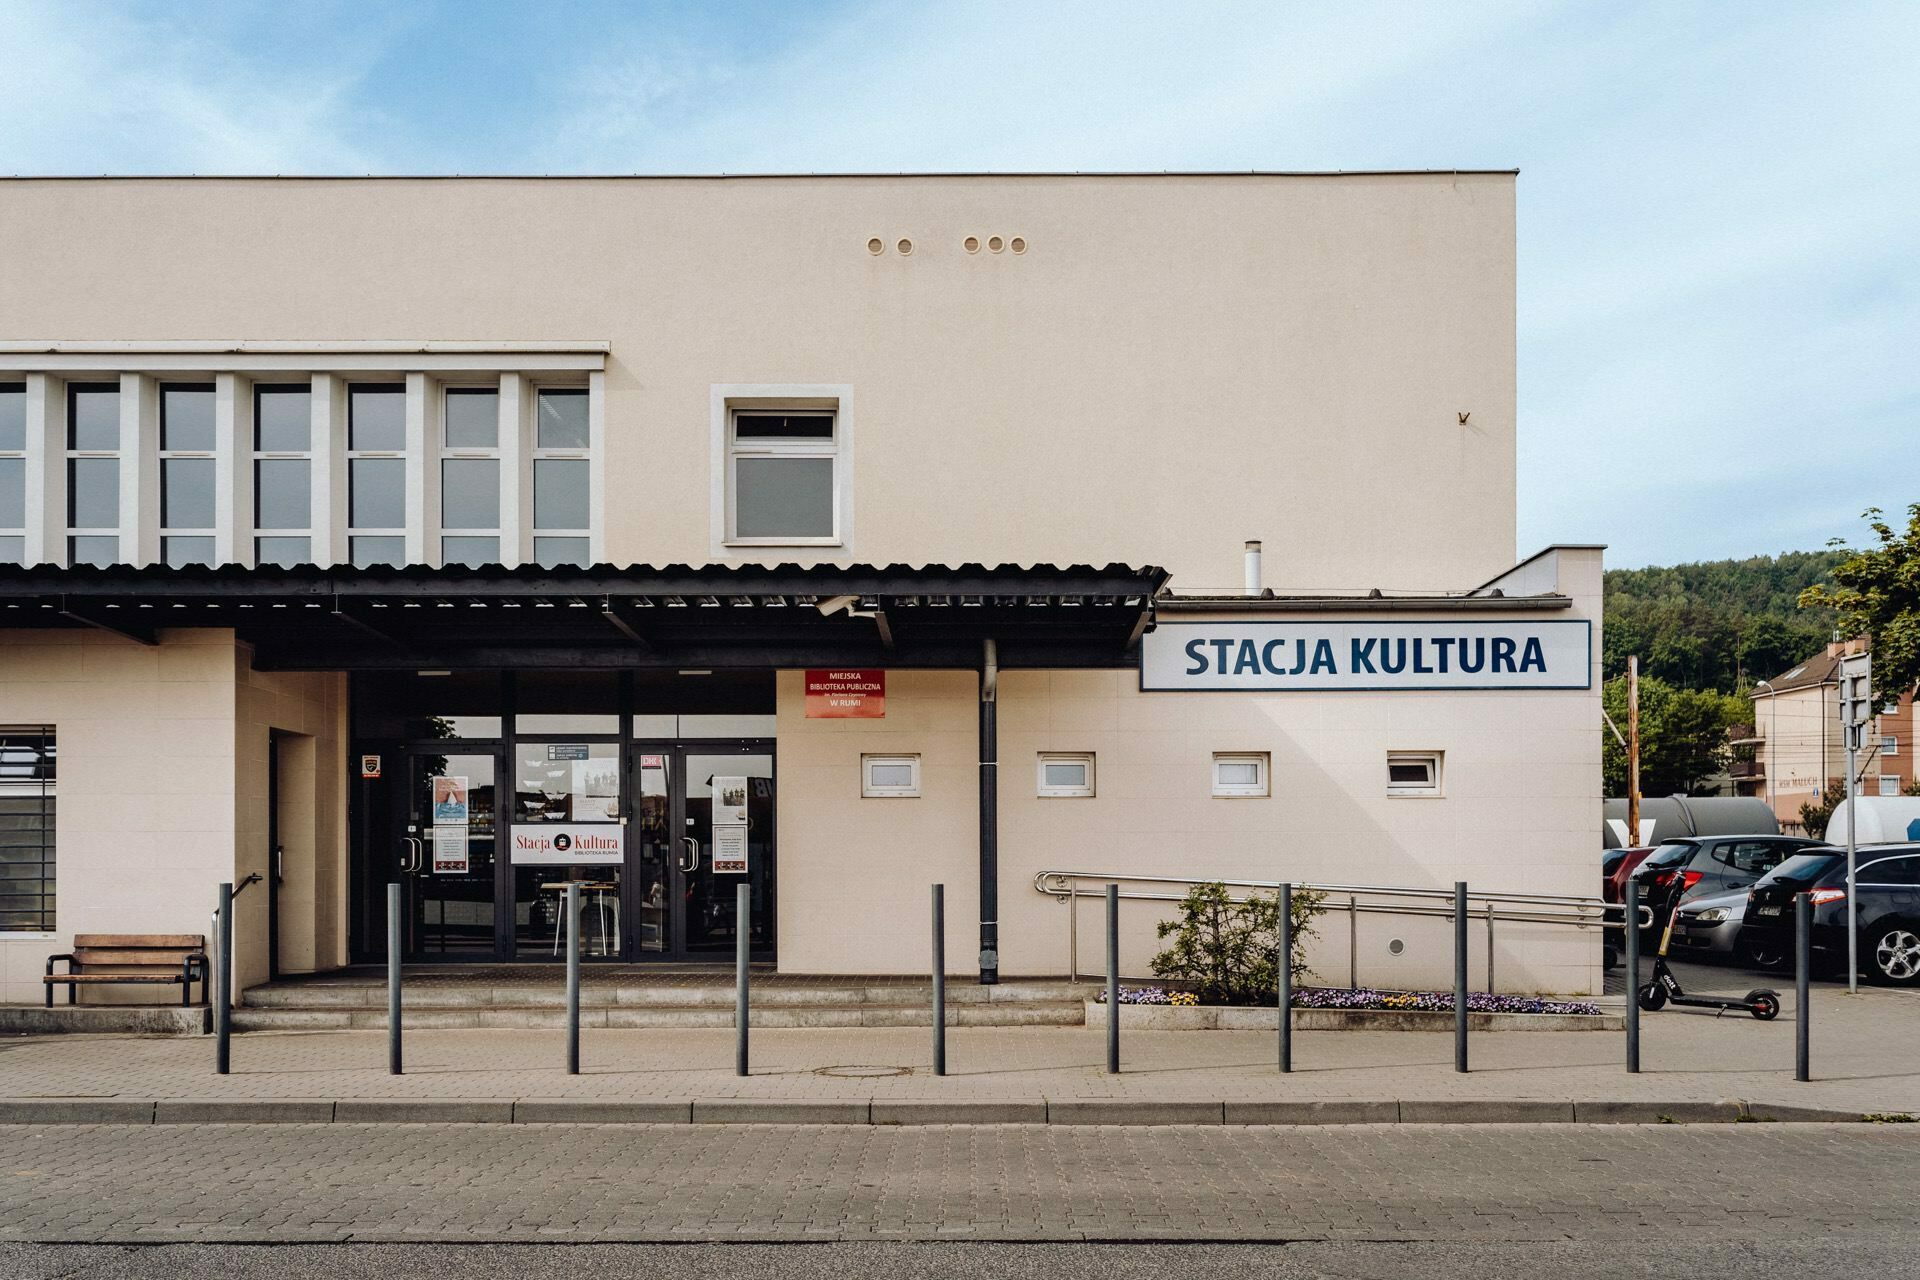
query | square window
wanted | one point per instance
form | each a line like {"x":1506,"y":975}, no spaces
{"x":186,"y":493}
{"x":470,"y":493}
{"x":889,"y":776}
{"x":93,"y":416}
{"x":282,"y":418}
{"x":1889,"y":746}
{"x":283,"y":493}
{"x":93,"y":493}
{"x":560,"y":416}
{"x":1065,"y":773}
{"x":1889,"y":784}
{"x":1413,"y":773}
{"x":473,"y":418}
{"x":1240,"y":774}
{"x":377,"y":493}
{"x":186,"y":417}
{"x":377,"y":417}
{"x":560,"y":494}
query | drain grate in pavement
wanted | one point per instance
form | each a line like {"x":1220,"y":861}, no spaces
{"x":859,"y":1071}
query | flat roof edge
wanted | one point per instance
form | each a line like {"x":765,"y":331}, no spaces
{"x":734,"y":177}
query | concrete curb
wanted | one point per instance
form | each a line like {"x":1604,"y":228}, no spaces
{"x":900,"y":1111}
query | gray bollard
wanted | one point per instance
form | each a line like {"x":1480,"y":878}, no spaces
{"x":223,"y":981}
{"x":1286,"y":977}
{"x":1459,"y":975}
{"x":1633,"y":976}
{"x":573,"y":979}
{"x":1802,"y":986}
{"x":939,"y":979}
{"x":394,"y":949}
{"x":742,"y":948}
{"x":1113,"y":979}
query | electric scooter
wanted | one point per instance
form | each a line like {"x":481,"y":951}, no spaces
{"x":1762,"y":1002}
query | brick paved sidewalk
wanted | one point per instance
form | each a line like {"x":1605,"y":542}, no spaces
{"x":1866,"y":1059}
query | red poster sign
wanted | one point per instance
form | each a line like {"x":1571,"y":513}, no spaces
{"x":846,"y":695}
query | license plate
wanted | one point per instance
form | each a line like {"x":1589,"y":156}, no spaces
{"x":1767,"y":911}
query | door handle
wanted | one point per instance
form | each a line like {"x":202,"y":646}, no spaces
{"x":692,"y":861}
{"x":279,"y":864}
{"x":416,"y":850}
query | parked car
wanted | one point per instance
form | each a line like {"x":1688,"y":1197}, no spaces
{"x":1705,"y":865}
{"x":1615,"y":866}
{"x":1887,"y":882}
{"x":1709,"y":928}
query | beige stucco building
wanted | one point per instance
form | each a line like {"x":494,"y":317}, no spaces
{"x":483,"y":535}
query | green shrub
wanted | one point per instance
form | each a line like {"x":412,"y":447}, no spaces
{"x":1225,"y":951}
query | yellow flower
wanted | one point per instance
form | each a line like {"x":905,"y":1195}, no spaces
{"x":1183,"y":998}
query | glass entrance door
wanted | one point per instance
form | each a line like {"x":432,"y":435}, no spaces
{"x":706,"y":815}
{"x":449,"y":854}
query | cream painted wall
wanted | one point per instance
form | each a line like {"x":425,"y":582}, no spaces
{"x":1176,"y":364}
{"x":162,"y":791}
{"x":1521,"y":812}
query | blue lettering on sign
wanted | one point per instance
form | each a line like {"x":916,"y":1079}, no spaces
{"x":1273,"y":665}
{"x":1399,"y":662}
{"x":1532,"y":658}
{"x":1323,"y":658}
{"x":1249,"y":659}
{"x":1198,"y":659}
{"x":1236,"y":656}
{"x":1443,"y":643}
{"x":1419,"y":668}
{"x":1503,"y":648}
{"x":1479,"y":654}
{"x":1362,"y":658}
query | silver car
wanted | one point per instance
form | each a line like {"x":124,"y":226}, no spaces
{"x":1707,"y":928}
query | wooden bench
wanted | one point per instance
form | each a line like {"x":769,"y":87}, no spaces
{"x":132,"y":957}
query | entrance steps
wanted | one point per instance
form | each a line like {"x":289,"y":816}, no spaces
{"x":535,"y":996}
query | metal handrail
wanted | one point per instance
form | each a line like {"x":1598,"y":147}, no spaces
{"x":1578,"y":911}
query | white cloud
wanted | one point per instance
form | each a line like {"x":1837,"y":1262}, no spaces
{"x":89,"y":90}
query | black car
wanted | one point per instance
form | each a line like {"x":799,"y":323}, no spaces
{"x":1887,"y":882}
{"x":1700,"y":866}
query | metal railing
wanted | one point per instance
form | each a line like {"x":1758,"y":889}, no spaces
{"x":1352,"y":900}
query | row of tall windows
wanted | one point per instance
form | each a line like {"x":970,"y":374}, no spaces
{"x":281,"y":457}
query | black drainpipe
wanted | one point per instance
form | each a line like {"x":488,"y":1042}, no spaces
{"x":989,"y":819}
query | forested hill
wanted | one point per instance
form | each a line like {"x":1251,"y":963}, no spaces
{"x":1719,"y":624}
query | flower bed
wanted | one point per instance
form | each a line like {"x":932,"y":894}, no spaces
{"x":1368,"y":998}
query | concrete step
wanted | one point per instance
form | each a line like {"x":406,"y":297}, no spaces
{"x":998,"y":1013}
{"x":315,"y":997}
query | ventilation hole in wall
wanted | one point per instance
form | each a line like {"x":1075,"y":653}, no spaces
{"x":876,"y":246}
{"x":905,"y":247}
{"x":1018,"y":244}
{"x":972,"y":244}
{"x":995,"y":243}
{"x":1395,"y":947}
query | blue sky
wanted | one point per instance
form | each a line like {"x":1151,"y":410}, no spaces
{"x":1719,"y":207}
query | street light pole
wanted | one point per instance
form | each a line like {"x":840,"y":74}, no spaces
{"x":1773,"y":743}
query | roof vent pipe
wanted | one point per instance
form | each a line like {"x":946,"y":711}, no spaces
{"x":1253,"y":568}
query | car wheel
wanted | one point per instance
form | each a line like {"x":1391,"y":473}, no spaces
{"x":1895,"y":956}
{"x":1653,"y":997}
{"x":1762,"y":954}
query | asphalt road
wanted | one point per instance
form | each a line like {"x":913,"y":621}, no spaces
{"x":1769,"y":1257}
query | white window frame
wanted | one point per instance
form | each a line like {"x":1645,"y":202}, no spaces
{"x":1261,"y":787}
{"x":210,"y":454}
{"x":256,"y":455}
{"x":871,"y":790}
{"x":498,"y":454}
{"x":729,"y":399}
{"x":537,"y":455}
{"x":47,"y":790}
{"x":1436,"y":764}
{"x":1889,"y":745}
{"x":1047,"y":790}
{"x":120,"y":456}
{"x":354,"y":455}
{"x":1889,"y":784}
{"x":20,"y":530}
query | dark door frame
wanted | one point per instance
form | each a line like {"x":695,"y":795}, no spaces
{"x":407,"y":821}
{"x":676,"y":752}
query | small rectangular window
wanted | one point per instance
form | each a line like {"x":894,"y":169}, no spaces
{"x":473,"y":418}
{"x":889,"y":776}
{"x":1889,"y":746}
{"x":783,"y":478}
{"x":377,"y":417}
{"x":1889,"y":784}
{"x":561,"y":420}
{"x":186,"y":417}
{"x":93,"y":417}
{"x":1065,"y":773}
{"x":1240,"y":774}
{"x":1413,"y":773}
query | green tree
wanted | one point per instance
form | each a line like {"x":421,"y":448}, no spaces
{"x":1683,"y":735}
{"x":1876,"y":593}
{"x":1719,"y":624}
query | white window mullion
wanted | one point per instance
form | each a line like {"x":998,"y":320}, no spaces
{"x":423,"y":473}
{"x":233,"y":469}
{"x":596,"y":467}
{"x":516,"y":474}
{"x":140,"y":469}
{"x":329,"y":444}
{"x":46,"y":531}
